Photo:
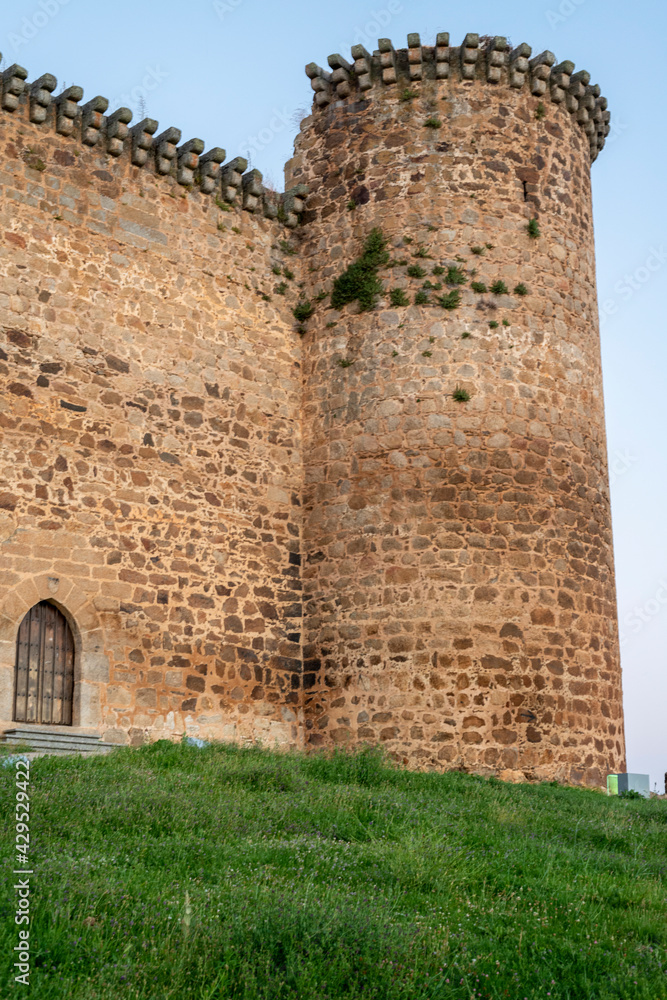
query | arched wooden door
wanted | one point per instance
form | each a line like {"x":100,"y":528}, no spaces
{"x":44,"y":674}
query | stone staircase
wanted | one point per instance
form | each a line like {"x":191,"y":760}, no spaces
{"x":55,"y":740}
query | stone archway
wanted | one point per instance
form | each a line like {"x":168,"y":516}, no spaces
{"x":91,"y":664}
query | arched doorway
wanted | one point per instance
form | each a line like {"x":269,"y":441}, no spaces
{"x":44,"y":673}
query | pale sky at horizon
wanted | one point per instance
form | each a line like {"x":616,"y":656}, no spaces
{"x":231,"y":72}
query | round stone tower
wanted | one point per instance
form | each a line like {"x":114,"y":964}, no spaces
{"x":458,"y":564}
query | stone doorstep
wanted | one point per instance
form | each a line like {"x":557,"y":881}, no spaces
{"x":66,"y":731}
{"x":54,"y":740}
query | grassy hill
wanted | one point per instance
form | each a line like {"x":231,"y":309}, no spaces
{"x":172,"y":872}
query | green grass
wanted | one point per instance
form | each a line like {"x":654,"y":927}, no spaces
{"x":243,"y":874}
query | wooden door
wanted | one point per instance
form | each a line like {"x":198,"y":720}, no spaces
{"x":44,"y":675}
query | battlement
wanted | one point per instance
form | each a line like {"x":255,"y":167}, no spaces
{"x":480,"y":58}
{"x":113,"y":135}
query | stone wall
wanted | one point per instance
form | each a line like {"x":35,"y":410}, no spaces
{"x":459,"y":582}
{"x":448,"y":490}
{"x":151,"y":466}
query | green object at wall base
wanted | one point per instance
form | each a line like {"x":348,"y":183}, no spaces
{"x":619,"y":783}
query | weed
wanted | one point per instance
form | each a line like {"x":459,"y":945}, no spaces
{"x":450,"y":301}
{"x":360,"y":282}
{"x":321,"y":296}
{"x":540,"y":112}
{"x":344,"y":362}
{"x":431,"y":340}
{"x":422,"y":252}
{"x":460,"y":259}
{"x":276,"y":269}
{"x":416,"y":271}
{"x":429,"y":286}
{"x":432,"y":123}
{"x":398,"y":297}
{"x":478,"y":251}
{"x":438,"y":270}
{"x":500,"y":288}
{"x":494,"y":324}
{"x":222,"y":205}
{"x":460,"y":395}
{"x":455,"y":276}
{"x":288,"y":274}
{"x":465,"y":335}
{"x":479,"y":287}
{"x":221,"y":228}
{"x":394,"y":354}
{"x":235,"y":229}
{"x":521,"y":290}
{"x":267,"y":298}
{"x":427,"y":354}
{"x":351,"y":205}
{"x":408,"y":94}
{"x":281,"y":288}
{"x":303,"y":310}
{"x":506,"y":322}
{"x":330,"y":326}
{"x":490,"y":246}
{"x":408,"y":240}
{"x":287,"y":247}
{"x":32,"y":160}
{"x":533,"y":228}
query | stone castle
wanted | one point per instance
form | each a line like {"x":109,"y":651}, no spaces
{"x":322,"y":467}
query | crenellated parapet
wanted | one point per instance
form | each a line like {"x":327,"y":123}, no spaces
{"x":147,"y":148}
{"x":479,"y":59}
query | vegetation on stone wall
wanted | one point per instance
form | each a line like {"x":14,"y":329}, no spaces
{"x":397,"y":297}
{"x":303,"y":310}
{"x":450,"y":301}
{"x":534,"y":229}
{"x":360,"y":282}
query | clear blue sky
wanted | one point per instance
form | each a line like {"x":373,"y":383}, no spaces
{"x":231,"y":72}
